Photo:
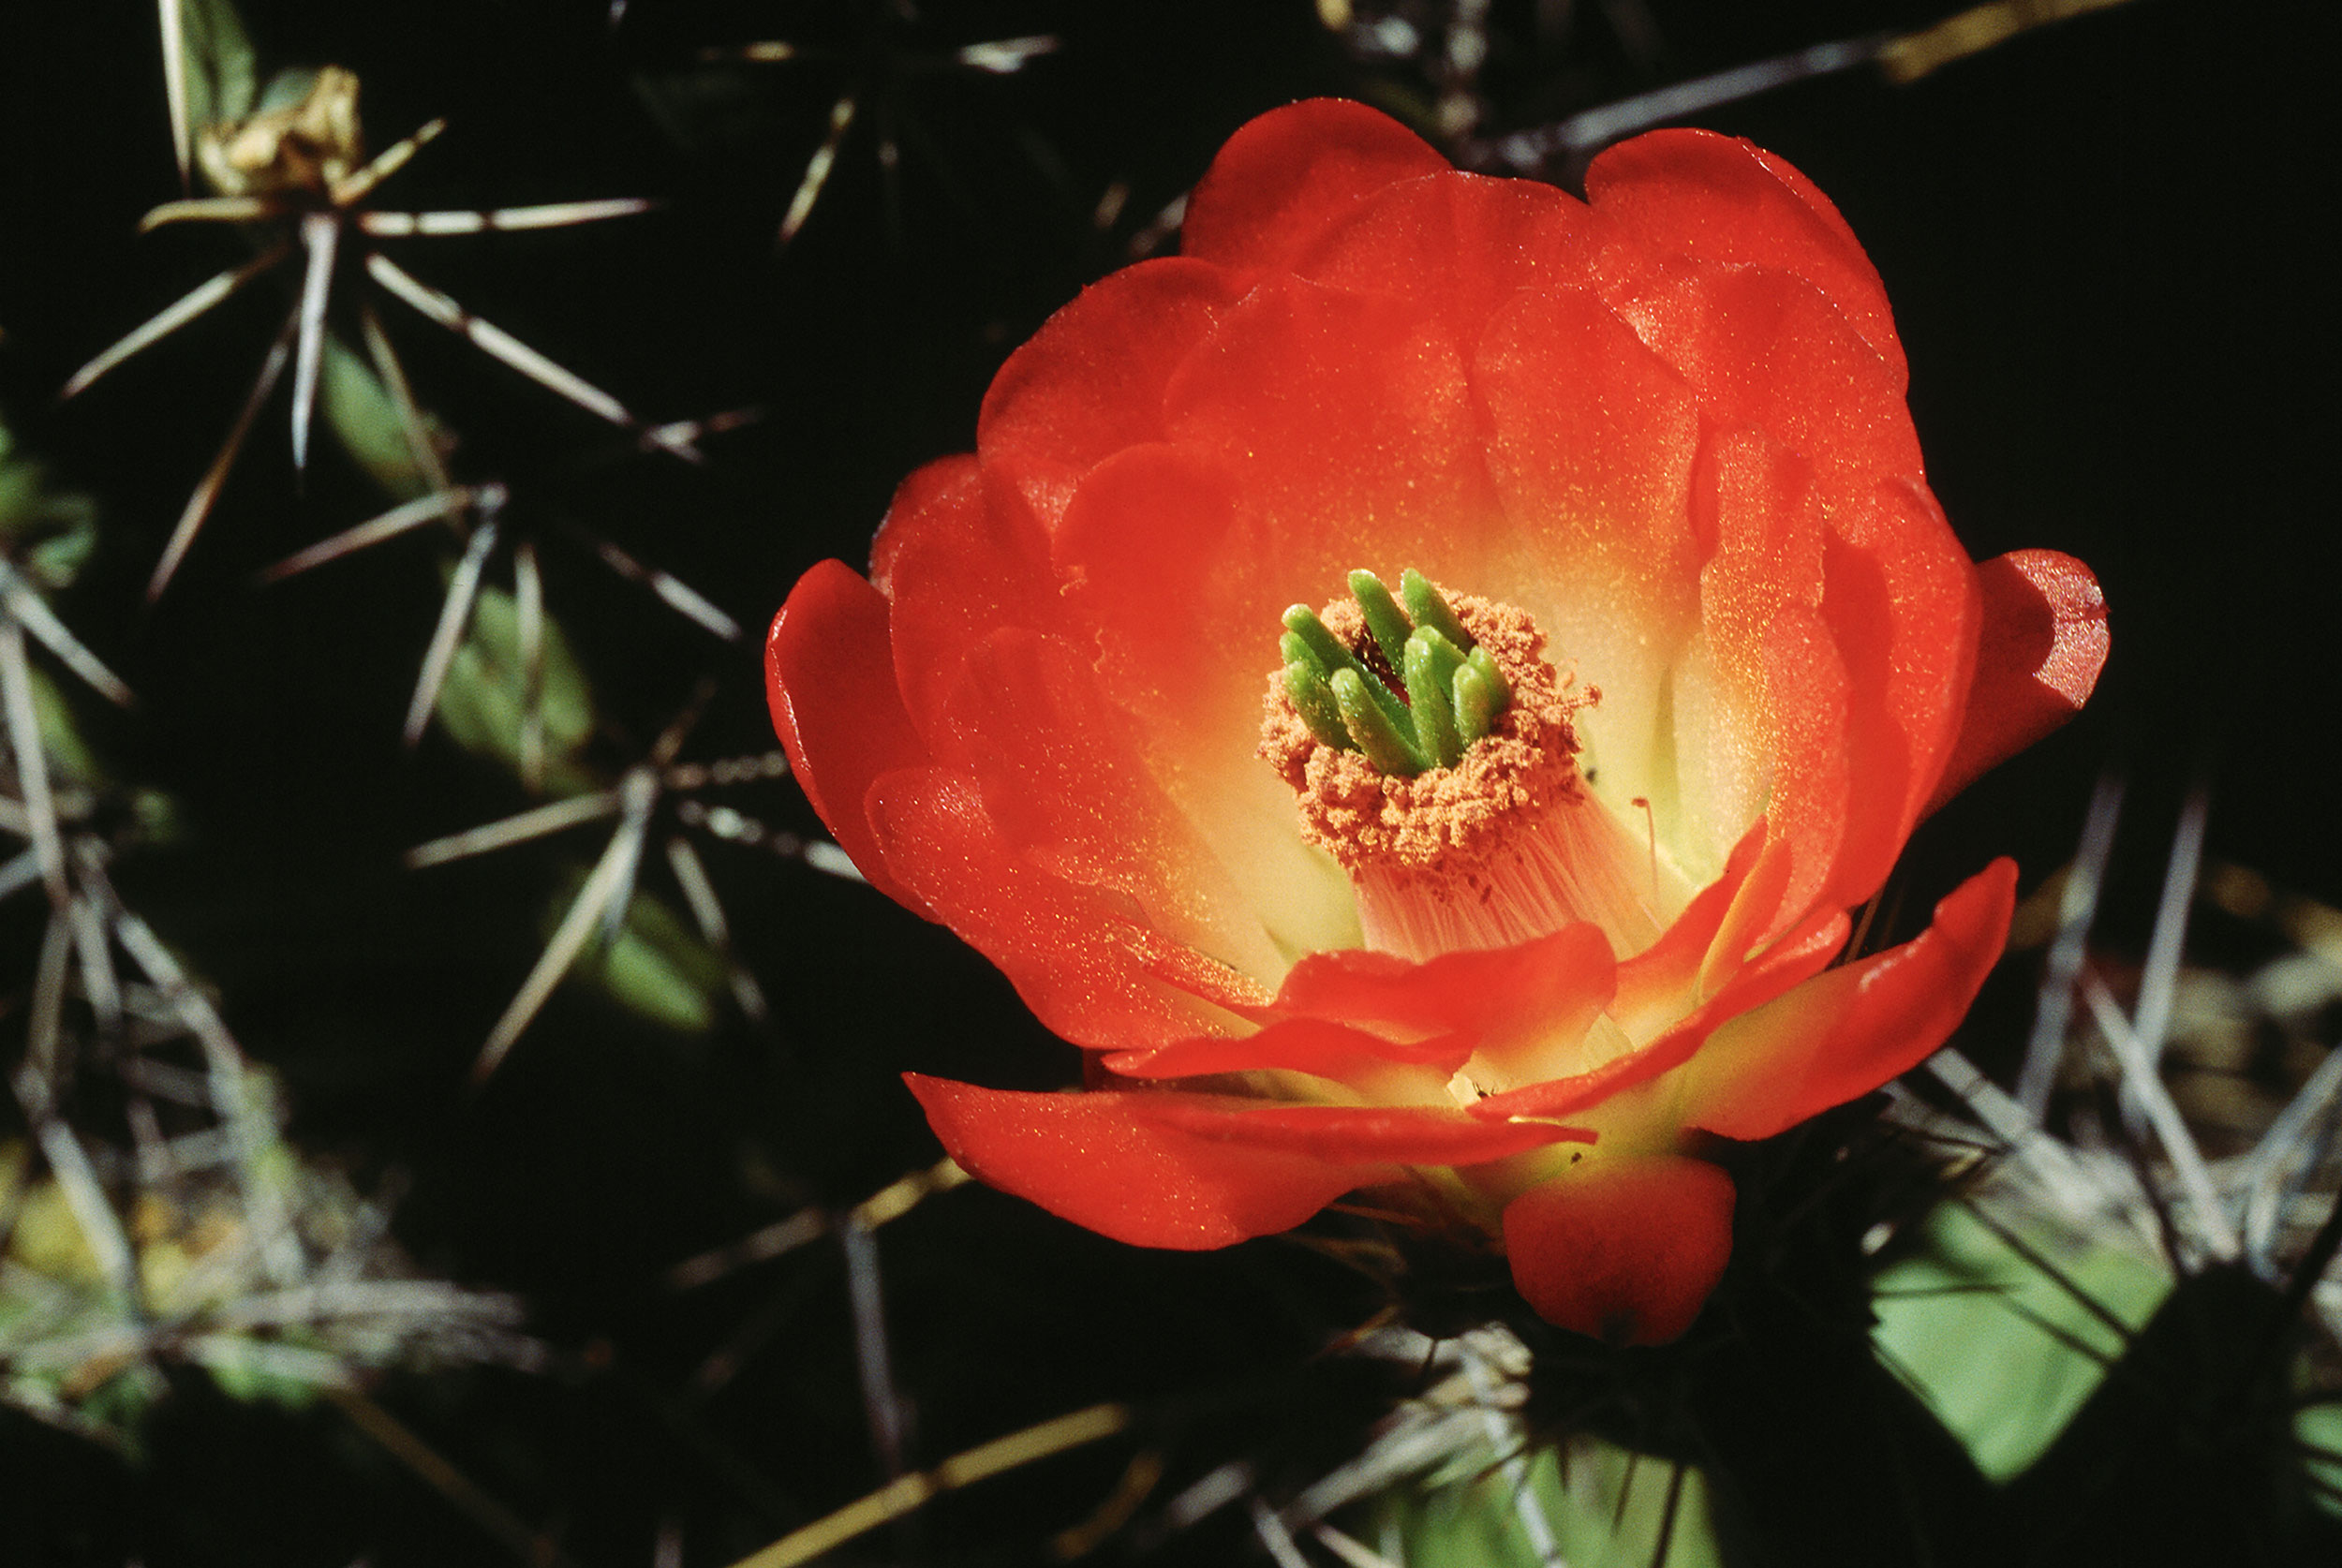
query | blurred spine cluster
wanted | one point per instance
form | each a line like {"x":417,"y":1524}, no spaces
{"x":154,"y":1214}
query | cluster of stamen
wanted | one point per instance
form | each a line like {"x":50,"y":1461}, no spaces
{"x":1433,"y":755}
{"x":1435,"y":692}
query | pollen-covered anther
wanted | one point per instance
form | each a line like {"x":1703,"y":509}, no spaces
{"x":1504,"y":844}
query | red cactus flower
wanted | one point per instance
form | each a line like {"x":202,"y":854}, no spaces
{"x":1509,"y":893}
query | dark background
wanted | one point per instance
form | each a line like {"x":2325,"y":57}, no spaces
{"x":2099,"y":242}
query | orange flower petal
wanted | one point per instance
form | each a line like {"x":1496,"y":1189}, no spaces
{"x":1347,"y":425}
{"x":1775,"y":725}
{"x":1711,"y":198}
{"x":1090,"y":381}
{"x":1458,"y":245}
{"x":1151,"y":557}
{"x":959,"y":557}
{"x":1166,"y":1168}
{"x":1083,"y":959}
{"x":1750,"y":920}
{"x":1312,"y":431}
{"x":1544,"y":992}
{"x":2043,"y":644}
{"x":1401,"y":1135}
{"x":1713,"y":935}
{"x":1849,"y":1030}
{"x":1318,"y":1046}
{"x":1625,"y":1250}
{"x":1902,"y":603}
{"x":1575,"y":1092}
{"x":1591,"y":443}
{"x":1066,"y":784}
{"x":1285,"y":176}
{"x":837,"y":709}
{"x":1787,"y":964}
{"x":1143,"y":553}
{"x":1100,"y":1162}
{"x":1768,"y":350}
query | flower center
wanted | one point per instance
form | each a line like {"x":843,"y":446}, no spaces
{"x":1451,"y":793}
{"x":1435,"y":692}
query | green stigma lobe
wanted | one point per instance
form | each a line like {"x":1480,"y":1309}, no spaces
{"x":1428,"y":609}
{"x":1500,"y":689}
{"x":1313,"y":699}
{"x":1430,"y":664}
{"x":1383,"y":622}
{"x":1385,"y":744}
{"x":1301,"y":622}
{"x":1448,"y":692}
{"x":1477,"y":706}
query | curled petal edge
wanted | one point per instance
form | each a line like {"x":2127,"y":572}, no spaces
{"x":830,"y":679}
{"x":1493,"y":996}
{"x":2045,"y":641}
{"x":1847,"y":1031}
{"x":1164,"y":1168}
{"x":1318,"y":1046}
{"x":1788,"y":963}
